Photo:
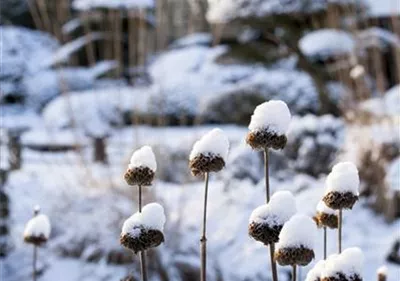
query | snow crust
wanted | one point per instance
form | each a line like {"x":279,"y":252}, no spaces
{"x":214,"y":142}
{"x":37,"y":226}
{"x":315,"y":273}
{"x":322,"y":208}
{"x":114,"y":4}
{"x":273,"y":114}
{"x":349,"y":262}
{"x":299,"y":230}
{"x":325,"y":43}
{"x":343,"y":178}
{"x":151,"y":217}
{"x":279,"y":210}
{"x":143,"y":157}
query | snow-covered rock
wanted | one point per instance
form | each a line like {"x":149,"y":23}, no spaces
{"x":214,"y":143}
{"x":143,"y":157}
{"x":327,"y":43}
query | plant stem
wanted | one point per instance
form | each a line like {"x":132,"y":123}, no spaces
{"x":203,"y":240}
{"x":34,"y":262}
{"x":267,"y":191}
{"x":294,"y":273}
{"x":325,"y":242}
{"x":340,"y":231}
{"x":143,"y":266}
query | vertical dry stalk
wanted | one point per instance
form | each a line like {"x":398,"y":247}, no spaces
{"x":132,"y":37}
{"x":85,"y":19}
{"x":325,"y":242}
{"x":143,"y":266}
{"x":43,"y":11}
{"x":142,"y":36}
{"x":35,"y":14}
{"x":340,"y":222}
{"x":294,"y":273}
{"x":34,"y":262}
{"x":267,"y":191}
{"x":203,"y":240}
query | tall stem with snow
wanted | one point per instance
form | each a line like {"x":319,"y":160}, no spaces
{"x":203,"y":240}
{"x":340,"y":231}
{"x":267,"y":191}
{"x":143,"y":266}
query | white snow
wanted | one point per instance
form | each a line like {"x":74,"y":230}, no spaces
{"x":382,"y":8}
{"x":377,"y":37}
{"x":322,"y":208}
{"x":349,"y":262}
{"x":326,"y":43}
{"x":151,"y":217}
{"x":273,"y":115}
{"x":383,"y":270}
{"x":143,"y":157}
{"x":343,"y":178}
{"x":214,"y":143}
{"x":300,"y":230}
{"x":388,"y":105}
{"x":194,"y":39}
{"x":315,"y":273}
{"x":278,"y":211}
{"x":114,"y":4}
{"x":38,"y":226}
{"x":357,"y":71}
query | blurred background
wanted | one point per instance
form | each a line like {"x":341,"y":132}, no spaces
{"x":84,"y":83}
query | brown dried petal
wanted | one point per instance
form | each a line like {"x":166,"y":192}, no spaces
{"x":341,"y":277}
{"x":326,"y":220}
{"x":35,"y":240}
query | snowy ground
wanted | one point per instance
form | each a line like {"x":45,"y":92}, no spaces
{"x":87,"y":204}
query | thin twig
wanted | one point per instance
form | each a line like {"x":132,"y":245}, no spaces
{"x":294,"y":273}
{"x":203,"y":240}
{"x":274,"y":270}
{"x":325,"y":242}
{"x":340,"y":231}
{"x":34,"y":262}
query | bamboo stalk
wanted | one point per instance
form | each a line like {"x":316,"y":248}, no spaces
{"x":203,"y":240}
{"x":89,"y":45}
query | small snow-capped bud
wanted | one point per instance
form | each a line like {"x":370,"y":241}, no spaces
{"x":36,"y":209}
{"x":347,"y":265}
{"x":144,"y":230}
{"x":269,"y":125}
{"x":142,"y":167}
{"x":296,"y":241}
{"x":382,"y":273}
{"x":210,"y":153}
{"x":342,"y":186}
{"x":37,"y":230}
{"x":326,"y":217}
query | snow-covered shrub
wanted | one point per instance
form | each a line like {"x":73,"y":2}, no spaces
{"x":313,"y":143}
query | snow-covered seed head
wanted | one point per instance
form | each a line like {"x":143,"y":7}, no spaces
{"x":142,"y":167}
{"x":342,"y":186}
{"x":382,"y":273}
{"x":346,"y":266}
{"x":296,"y":241}
{"x":315,"y":273}
{"x":144,"y":230}
{"x":269,"y":125}
{"x":326,"y":217}
{"x":36,"y":210}
{"x":210,"y":153}
{"x":266,"y":221}
{"x":37,"y":230}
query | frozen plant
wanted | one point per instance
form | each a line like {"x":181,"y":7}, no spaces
{"x":326,"y":217}
{"x":37,"y":232}
{"x":144,"y":230}
{"x":346,"y":266}
{"x":267,"y":220}
{"x":142,"y":167}
{"x":342,"y":191}
{"x":382,"y":273}
{"x":209,"y":154}
{"x":296,"y":242}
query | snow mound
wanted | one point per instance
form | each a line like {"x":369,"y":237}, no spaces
{"x":327,"y":43}
{"x":151,"y":217}
{"x":114,"y":4}
{"x":274,"y":115}
{"x":322,"y":208}
{"x":214,"y":142}
{"x":143,"y":157}
{"x":278,"y":211}
{"x":349,"y":262}
{"x":38,"y":226}
{"x":343,"y":178}
{"x":315,"y":273}
{"x":300,"y":230}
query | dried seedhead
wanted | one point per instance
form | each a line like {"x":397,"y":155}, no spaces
{"x":326,"y":220}
{"x":264,"y":233}
{"x":294,"y":256}
{"x":202,"y":164}
{"x":341,"y":277}
{"x":139,"y":176}
{"x":338,"y":200}
{"x":146,"y":239}
{"x":264,"y":139}
{"x":35,"y":240}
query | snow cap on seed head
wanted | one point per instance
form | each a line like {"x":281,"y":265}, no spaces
{"x":38,"y":226}
{"x":300,"y":230}
{"x":279,"y":210}
{"x":273,"y":115}
{"x":383,"y":270}
{"x":349,"y":263}
{"x":143,"y":157}
{"x":322,"y":208}
{"x":151,"y":217}
{"x":214,"y":142}
{"x":315,"y":273}
{"x":343,"y":178}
